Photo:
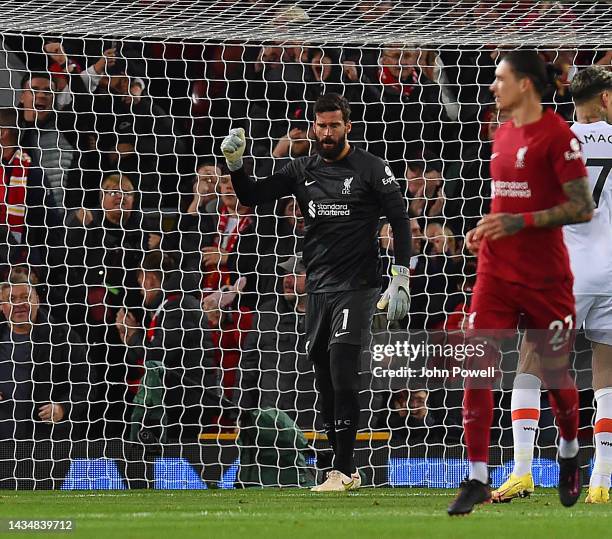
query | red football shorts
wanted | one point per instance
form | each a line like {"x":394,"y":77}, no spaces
{"x":549,"y":315}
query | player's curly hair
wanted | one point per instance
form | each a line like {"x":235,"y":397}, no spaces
{"x":589,"y":83}
{"x":330,"y":102}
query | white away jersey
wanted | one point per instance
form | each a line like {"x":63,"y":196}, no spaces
{"x":590,"y":244}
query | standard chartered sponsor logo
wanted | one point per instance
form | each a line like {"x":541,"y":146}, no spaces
{"x":511,"y":189}
{"x":327,"y":209}
{"x":312,"y":209}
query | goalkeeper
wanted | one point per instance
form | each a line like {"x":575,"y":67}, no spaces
{"x":342,"y":192}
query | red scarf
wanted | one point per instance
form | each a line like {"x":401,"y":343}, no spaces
{"x":13,"y":181}
{"x":243,"y":222}
{"x":388,"y":79}
{"x":218,"y":277}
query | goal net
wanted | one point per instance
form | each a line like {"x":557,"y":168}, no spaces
{"x":152,"y":329}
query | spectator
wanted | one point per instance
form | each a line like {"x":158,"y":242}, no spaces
{"x":22,"y":200}
{"x":196,"y":224}
{"x":44,"y":380}
{"x":371,"y":11}
{"x":476,"y":157}
{"x":442,"y":261}
{"x":410,"y":420}
{"x":125,"y":111}
{"x":433,"y":75}
{"x":290,"y":232}
{"x":179,"y":394}
{"x":12,"y":69}
{"x":274,"y":368}
{"x":420,"y":416}
{"x":282,"y":235}
{"x":276,"y":79}
{"x":298,"y":141}
{"x":406,"y":114}
{"x":323,"y":71}
{"x":106,"y":246}
{"x":74,"y":105}
{"x":432,"y":69}
{"x":62,"y":67}
{"x":208,"y":174}
{"x":233,"y":252}
{"x":469,"y":74}
{"x":442,"y":240}
{"x":457,"y":319}
{"x":428,"y":282}
{"x":143,"y":173}
{"x":47,"y":142}
{"x":230,"y":327}
{"x":425,"y":187}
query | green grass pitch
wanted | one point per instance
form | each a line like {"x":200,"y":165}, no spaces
{"x":293,"y":513}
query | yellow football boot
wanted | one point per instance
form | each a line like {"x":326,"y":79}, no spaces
{"x":514,"y":487}
{"x":598,"y":495}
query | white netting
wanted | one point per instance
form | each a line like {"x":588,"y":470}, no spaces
{"x":361,"y":21}
{"x":121,"y":108}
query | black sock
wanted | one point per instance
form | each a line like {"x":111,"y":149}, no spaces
{"x":346,"y":431}
{"x":326,"y":395}
{"x":344,"y":361}
{"x":330,"y":431}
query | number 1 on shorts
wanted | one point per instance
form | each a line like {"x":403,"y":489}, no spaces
{"x":345,"y":315}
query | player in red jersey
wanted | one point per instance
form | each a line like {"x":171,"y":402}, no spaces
{"x":539,"y":183}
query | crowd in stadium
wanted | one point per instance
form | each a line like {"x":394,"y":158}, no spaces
{"x":112,"y":189}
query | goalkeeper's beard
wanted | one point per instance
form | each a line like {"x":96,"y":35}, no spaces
{"x":333,"y":152}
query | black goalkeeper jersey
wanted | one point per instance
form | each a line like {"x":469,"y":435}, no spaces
{"x":342,"y":202}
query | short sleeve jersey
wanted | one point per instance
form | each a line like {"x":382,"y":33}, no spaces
{"x":590,"y":244}
{"x":529,"y":165}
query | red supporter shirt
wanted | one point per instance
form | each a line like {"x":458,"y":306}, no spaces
{"x":529,"y":166}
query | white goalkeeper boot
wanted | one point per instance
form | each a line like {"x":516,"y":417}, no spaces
{"x":338,"y":482}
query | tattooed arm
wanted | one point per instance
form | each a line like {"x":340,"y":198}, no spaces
{"x":577,"y":209}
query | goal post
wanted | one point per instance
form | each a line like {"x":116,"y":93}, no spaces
{"x":112,"y":114}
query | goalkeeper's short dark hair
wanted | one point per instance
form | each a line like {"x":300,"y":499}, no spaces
{"x":331,"y":102}
{"x":589,"y":83}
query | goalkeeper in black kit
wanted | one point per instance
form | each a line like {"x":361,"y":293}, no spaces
{"x":342,"y":192}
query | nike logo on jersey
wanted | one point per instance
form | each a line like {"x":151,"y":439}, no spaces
{"x":340,"y":333}
{"x":494,"y":155}
{"x":310,"y":183}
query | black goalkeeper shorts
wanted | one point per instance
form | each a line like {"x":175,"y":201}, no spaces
{"x":339,"y":317}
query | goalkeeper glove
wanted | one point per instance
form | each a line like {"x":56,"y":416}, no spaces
{"x":397,"y":296}
{"x":233,"y":147}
